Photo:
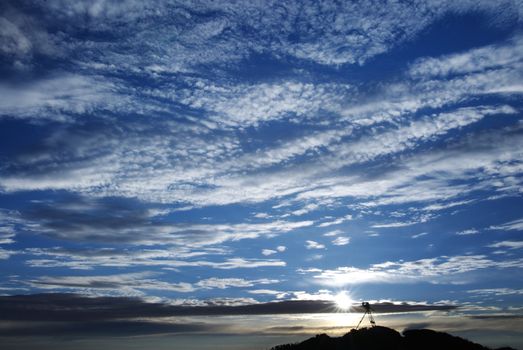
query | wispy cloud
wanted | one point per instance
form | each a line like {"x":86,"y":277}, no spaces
{"x":165,"y":258}
{"x":507,"y":244}
{"x":5,"y":254}
{"x":333,"y":233}
{"x":343,"y":39}
{"x":476,"y":60}
{"x":341,"y":240}
{"x":125,"y":282}
{"x":418,"y":235}
{"x":470,"y":231}
{"x":516,"y":225}
{"x":59,"y":98}
{"x":134,"y":283}
{"x":336,"y":221}
{"x":314,"y":245}
{"x":495,"y":291}
{"x":437,"y":270}
{"x":109,"y":222}
{"x":168,"y":136}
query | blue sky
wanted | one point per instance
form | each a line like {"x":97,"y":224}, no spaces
{"x":231,"y":153}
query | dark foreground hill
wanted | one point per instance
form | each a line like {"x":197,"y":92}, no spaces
{"x":383,"y":338}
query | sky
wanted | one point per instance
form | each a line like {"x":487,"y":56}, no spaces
{"x":229,"y":173}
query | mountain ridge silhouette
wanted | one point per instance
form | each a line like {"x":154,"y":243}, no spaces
{"x":383,"y":338}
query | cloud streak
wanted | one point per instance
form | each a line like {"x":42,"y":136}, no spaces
{"x":434,"y":270}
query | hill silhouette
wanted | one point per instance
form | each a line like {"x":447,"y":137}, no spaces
{"x":383,"y":338}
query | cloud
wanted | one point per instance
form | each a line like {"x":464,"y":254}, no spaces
{"x":516,"y":225}
{"x":336,"y":222}
{"x":419,"y":235}
{"x":268,"y":252}
{"x":243,"y":106}
{"x":278,"y":249}
{"x":87,"y":259}
{"x":278,"y":294}
{"x":443,"y":269}
{"x":332,"y":233}
{"x":128,"y":282}
{"x":58,"y":98}
{"x":476,"y":60}
{"x":331,"y":34}
{"x":74,"y":308}
{"x":306,"y":209}
{"x":314,"y":245}
{"x":133,"y":284}
{"x":495,"y":291}
{"x":471,"y":231}
{"x":6,"y":235}
{"x":165,"y":118}
{"x":507,"y":244}
{"x":110,"y":221}
{"x":443,"y":206}
{"x":5,"y":254}
{"x":341,"y":240}
{"x":178,"y":151}
{"x":395,"y":224}
{"x":223,"y":283}
{"x":416,"y":132}
{"x":23,"y":38}
{"x":13,"y":41}
{"x":108,"y":328}
{"x":175,"y":160}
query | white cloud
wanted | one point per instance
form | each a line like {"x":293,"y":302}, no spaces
{"x":333,"y":233}
{"x":278,"y":249}
{"x":395,"y":224}
{"x":135,"y":282}
{"x":58,"y":98}
{"x":314,"y":257}
{"x":336,"y":222}
{"x":12,"y":40}
{"x":130,"y":281}
{"x":268,"y":252}
{"x":7,"y":233}
{"x":97,"y":220}
{"x":507,"y":244}
{"x":443,"y":206}
{"x":276,"y":293}
{"x":330,"y":34}
{"x":411,"y":135}
{"x":341,"y":240}
{"x":223,"y":283}
{"x":476,"y":60}
{"x":471,"y":231}
{"x":419,"y":235}
{"x":496,"y":291}
{"x":435,"y":270}
{"x":516,"y":225}
{"x":5,"y":254}
{"x":314,"y":245}
{"x":165,"y":258}
{"x":205,"y":170}
{"x":306,"y":209}
{"x":242,"y":106}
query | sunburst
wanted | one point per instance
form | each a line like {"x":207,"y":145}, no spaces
{"x":343,"y":300}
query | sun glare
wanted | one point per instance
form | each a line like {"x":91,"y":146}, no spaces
{"x":343,"y":300}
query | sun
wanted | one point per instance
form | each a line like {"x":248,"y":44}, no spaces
{"x":343,"y":300}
